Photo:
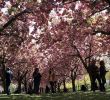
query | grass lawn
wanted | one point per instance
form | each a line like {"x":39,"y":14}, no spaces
{"x":61,"y":96}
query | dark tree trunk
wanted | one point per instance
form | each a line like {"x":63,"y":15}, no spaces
{"x":73,"y":85}
{"x":73,"y":77}
{"x":19,"y":86}
{"x":25,"y":84}
{"x":21,"y":76}
{"x":59,"y":87}
{"x":19,"y":82}
{"x":64,"y":84}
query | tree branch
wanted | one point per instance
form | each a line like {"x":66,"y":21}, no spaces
{"x":11,"y":20}
{"x":68,"y":1}
{"x":79,"y":55}
{"x":108,"y":1}
{"x":102,"y":32}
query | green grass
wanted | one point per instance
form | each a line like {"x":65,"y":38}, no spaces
{"x":61,"y":96}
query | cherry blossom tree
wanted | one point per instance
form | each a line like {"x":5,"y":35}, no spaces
{"x":53,"y":33}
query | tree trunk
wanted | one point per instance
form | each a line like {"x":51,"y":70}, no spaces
{"x":19,"y":86}
{"x":78,"y":86}
{"x":64,"y":84}
{"x":19,"y":82}
{"x":59,"y":87}
{"x":73,"y":77}
{"x":25,"y":84}
{"x":20,"y":78}
{"x":73,"y":84}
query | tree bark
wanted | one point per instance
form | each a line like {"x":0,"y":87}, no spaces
{"x":59,"y":87}
{"x":73,"y":85}
{"x":73,"y":77}
{"x":19,"y":82}
{"x":20,"y":78}
{"x":25,"y":84}
{"x":19,"y":86}
{"x":64,"y":85}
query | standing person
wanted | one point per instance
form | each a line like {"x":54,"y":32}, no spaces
{"x":37,"y":78}
{"x":102,"y":74}
{"x":52,"y":80}
{"x":8,"y":80}
{"x":94,"y":72}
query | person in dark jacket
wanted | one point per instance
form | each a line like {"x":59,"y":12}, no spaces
{"x":95,"y":75}
{"x":37,"y":78}
{"x":102,"y":74}
{"x":9,"y":76}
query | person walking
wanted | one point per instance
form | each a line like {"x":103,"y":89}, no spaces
{"x":102,"y":74}
{"x":9,"y":76}
{"x":37,"y":78}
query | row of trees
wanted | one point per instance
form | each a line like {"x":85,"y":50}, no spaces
{"x":63,"y":34}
